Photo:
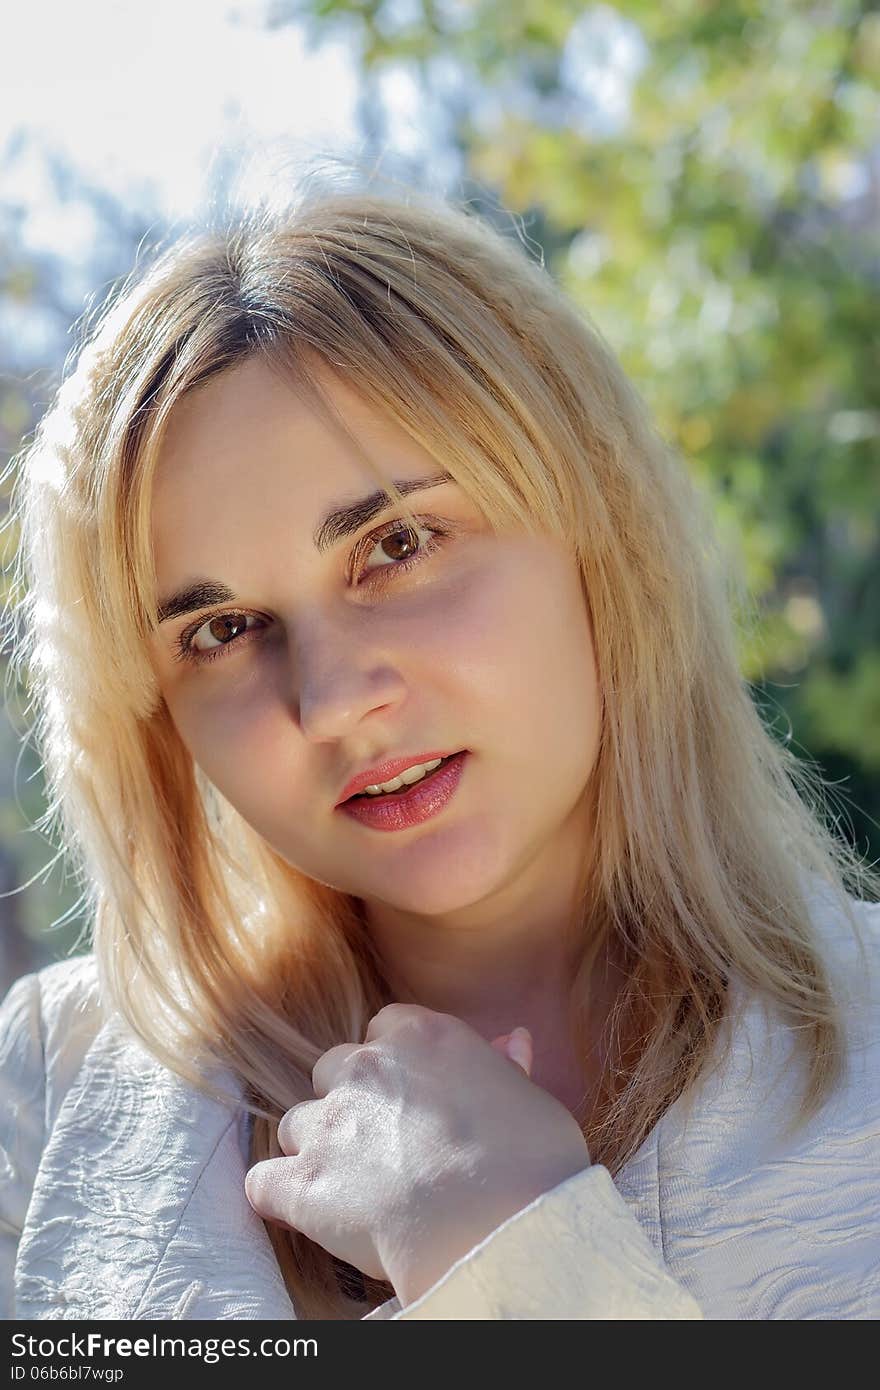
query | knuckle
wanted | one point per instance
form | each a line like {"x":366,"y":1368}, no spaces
{"x":414,"y":1017}
{"x":294,"y":1126}
{"x":333,"y":1112}
{"x":329,"y":1060}
{"x":255,"y":1182}
{"x":430,"y":1025}
{"x":364,"y":1065}
{"x":393,"y":1013}
{"x":287,"y":1131}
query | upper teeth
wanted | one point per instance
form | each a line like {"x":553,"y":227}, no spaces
{"x":409,"y":775}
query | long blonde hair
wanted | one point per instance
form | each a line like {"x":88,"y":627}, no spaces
{"x":708,"y":829}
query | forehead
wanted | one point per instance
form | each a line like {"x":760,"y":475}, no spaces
{"x":249,"y":427}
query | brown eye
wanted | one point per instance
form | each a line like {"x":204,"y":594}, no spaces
{"x":222,"y":630}
{"x":400,"y":544}
{"x":394,"y":547}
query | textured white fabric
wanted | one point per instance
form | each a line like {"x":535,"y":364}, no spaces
{"x":122,"y":1188}
{"x":593,"y":1238}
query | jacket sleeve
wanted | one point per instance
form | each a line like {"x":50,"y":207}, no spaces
{"x":576,"y":1252}
{"x":22,"y":1120}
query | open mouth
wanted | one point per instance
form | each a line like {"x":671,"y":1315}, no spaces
{"x":402,"y":791}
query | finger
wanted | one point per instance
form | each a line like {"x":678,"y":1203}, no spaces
{"x":389,"y":1018}
{"x":520,"y":1049}
{"x":275,"y":1191}
{"x":517,"y":1047}
{"x":294,"y":1126}
{"x":326,"y":1071}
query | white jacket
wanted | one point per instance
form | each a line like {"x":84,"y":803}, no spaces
{"x":122,"y":1189}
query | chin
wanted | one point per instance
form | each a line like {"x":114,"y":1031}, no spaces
{"x":442,"y":873}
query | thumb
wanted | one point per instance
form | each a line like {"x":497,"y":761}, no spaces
{"x":517,"y":1046}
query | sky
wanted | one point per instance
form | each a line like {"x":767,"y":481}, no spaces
{"x":127,"y":84}
{"x":142,"y":96}
{"x":150,"y":100}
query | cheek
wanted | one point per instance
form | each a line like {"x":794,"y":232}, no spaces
{"x":458,"y":637}
{"x":229,"y":738}
{"x":571,"y":666}
{"x":540,"y":666}
{"x":516,"y":636}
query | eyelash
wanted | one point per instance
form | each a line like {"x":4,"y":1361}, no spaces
{"x":378,"y":577}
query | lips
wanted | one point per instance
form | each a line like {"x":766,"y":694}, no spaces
{"x":422,"y":801}
{"x":402,"y":791}
{"x":387,"y":771}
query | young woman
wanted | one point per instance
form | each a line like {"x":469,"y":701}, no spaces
{"x":463,"y":944}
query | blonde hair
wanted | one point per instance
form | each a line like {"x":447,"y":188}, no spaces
{"x":709,"y":831}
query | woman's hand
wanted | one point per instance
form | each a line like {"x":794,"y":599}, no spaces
{"x":422,"y":1141}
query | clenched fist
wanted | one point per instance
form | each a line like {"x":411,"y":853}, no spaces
{"x":421,"y":1141}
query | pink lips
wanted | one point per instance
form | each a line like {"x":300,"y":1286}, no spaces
{"x":423,"y":800}
{"x":386,"y":772}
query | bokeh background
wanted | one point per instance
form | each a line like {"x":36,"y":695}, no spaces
{"x":702,"y":178}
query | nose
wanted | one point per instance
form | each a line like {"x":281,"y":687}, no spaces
{"x":342,"y":679}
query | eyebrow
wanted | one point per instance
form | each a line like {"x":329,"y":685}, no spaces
{"x":340,"y":521}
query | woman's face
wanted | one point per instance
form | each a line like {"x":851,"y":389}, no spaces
{"x":330,"y":659}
